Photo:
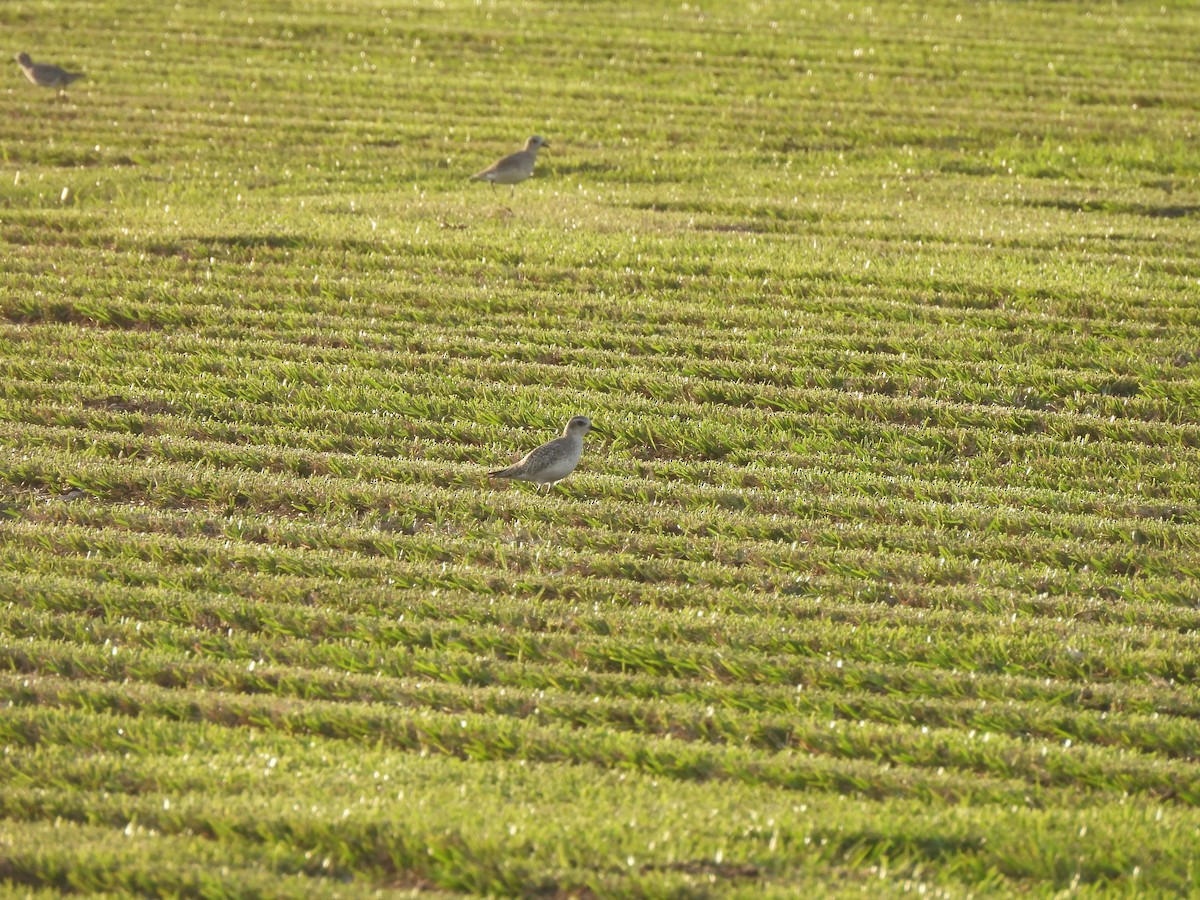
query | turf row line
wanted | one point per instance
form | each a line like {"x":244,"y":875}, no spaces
{"x":1042,"y":649}
{"x":130,"y":717}
{"x":515,"y":558}
{"x":515,"y":548}
{"x":395,"y":648}
{"x":751,"y":501}
{"x":729,"y":715}
{"x":1045,"y":643}
{"x":767,"y":509}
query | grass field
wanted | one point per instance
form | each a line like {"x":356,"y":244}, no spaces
{"x":885,"y":579}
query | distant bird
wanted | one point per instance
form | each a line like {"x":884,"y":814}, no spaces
{"x":515,"y":167}
{"x":554,"y":460}
{"x":46,"y":75}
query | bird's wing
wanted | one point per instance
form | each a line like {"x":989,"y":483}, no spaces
{"x":545,"y":454}
{"x":514,"y":162}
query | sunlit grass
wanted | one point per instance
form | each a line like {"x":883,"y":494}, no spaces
{"x":881,"y":579}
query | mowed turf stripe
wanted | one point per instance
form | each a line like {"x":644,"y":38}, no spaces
{"x":827,"y":443}
{"x":498,"y":553}
{"x":731,"y":714}
{"x":145,"y":859}
{"x":750,"y":414}
{"x":513,"y":553}
{"x":362,"y":830}
{"x":1037,"y":644}
{"x":1022,"y":646}
{"x":388,"y":648}
{"x":834,"y":517}
{"x":506,"y":541}
{"x":770,"y":502}
{"x":1100,"y":411}
{"x":485,"y":737}
{"x":902,"y":302}
{"x":79,"y":582}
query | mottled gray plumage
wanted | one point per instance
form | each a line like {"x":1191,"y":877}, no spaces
{"x":554,"y":460}
{"x":514,"y":168}
{"x":46,"y":75}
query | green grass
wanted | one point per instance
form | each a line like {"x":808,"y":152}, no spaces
{"x":882,"y":581}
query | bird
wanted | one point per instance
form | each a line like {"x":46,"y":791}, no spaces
{"x":46,"y":75}
{"x":554,"y":460}
{"x":514,"y":168}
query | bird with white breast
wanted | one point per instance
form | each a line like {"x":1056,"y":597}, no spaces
{"x":554,"y":460}
{"x":514,"y":168}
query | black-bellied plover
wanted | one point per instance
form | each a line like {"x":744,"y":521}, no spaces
{"x":554,"y":460}
{"x":46,"y":75}
{"x":515,"y":167}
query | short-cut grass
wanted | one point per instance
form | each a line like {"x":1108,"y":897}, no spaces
{"x":882,"y":580}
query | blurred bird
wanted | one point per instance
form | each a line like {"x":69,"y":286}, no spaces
{"x":46,"y":75}
{"x":554,"y":460}
{"x":514,"y":168}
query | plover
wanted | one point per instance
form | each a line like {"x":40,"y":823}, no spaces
{"x":554,"y":460}
{"x":515,"y":167}
{"x":46,"y":75}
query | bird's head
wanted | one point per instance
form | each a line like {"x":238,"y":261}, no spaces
{"x":579,"y":425}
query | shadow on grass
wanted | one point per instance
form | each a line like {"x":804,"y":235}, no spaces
{"x":1177,"y":211}
{"x":210,"y":245}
